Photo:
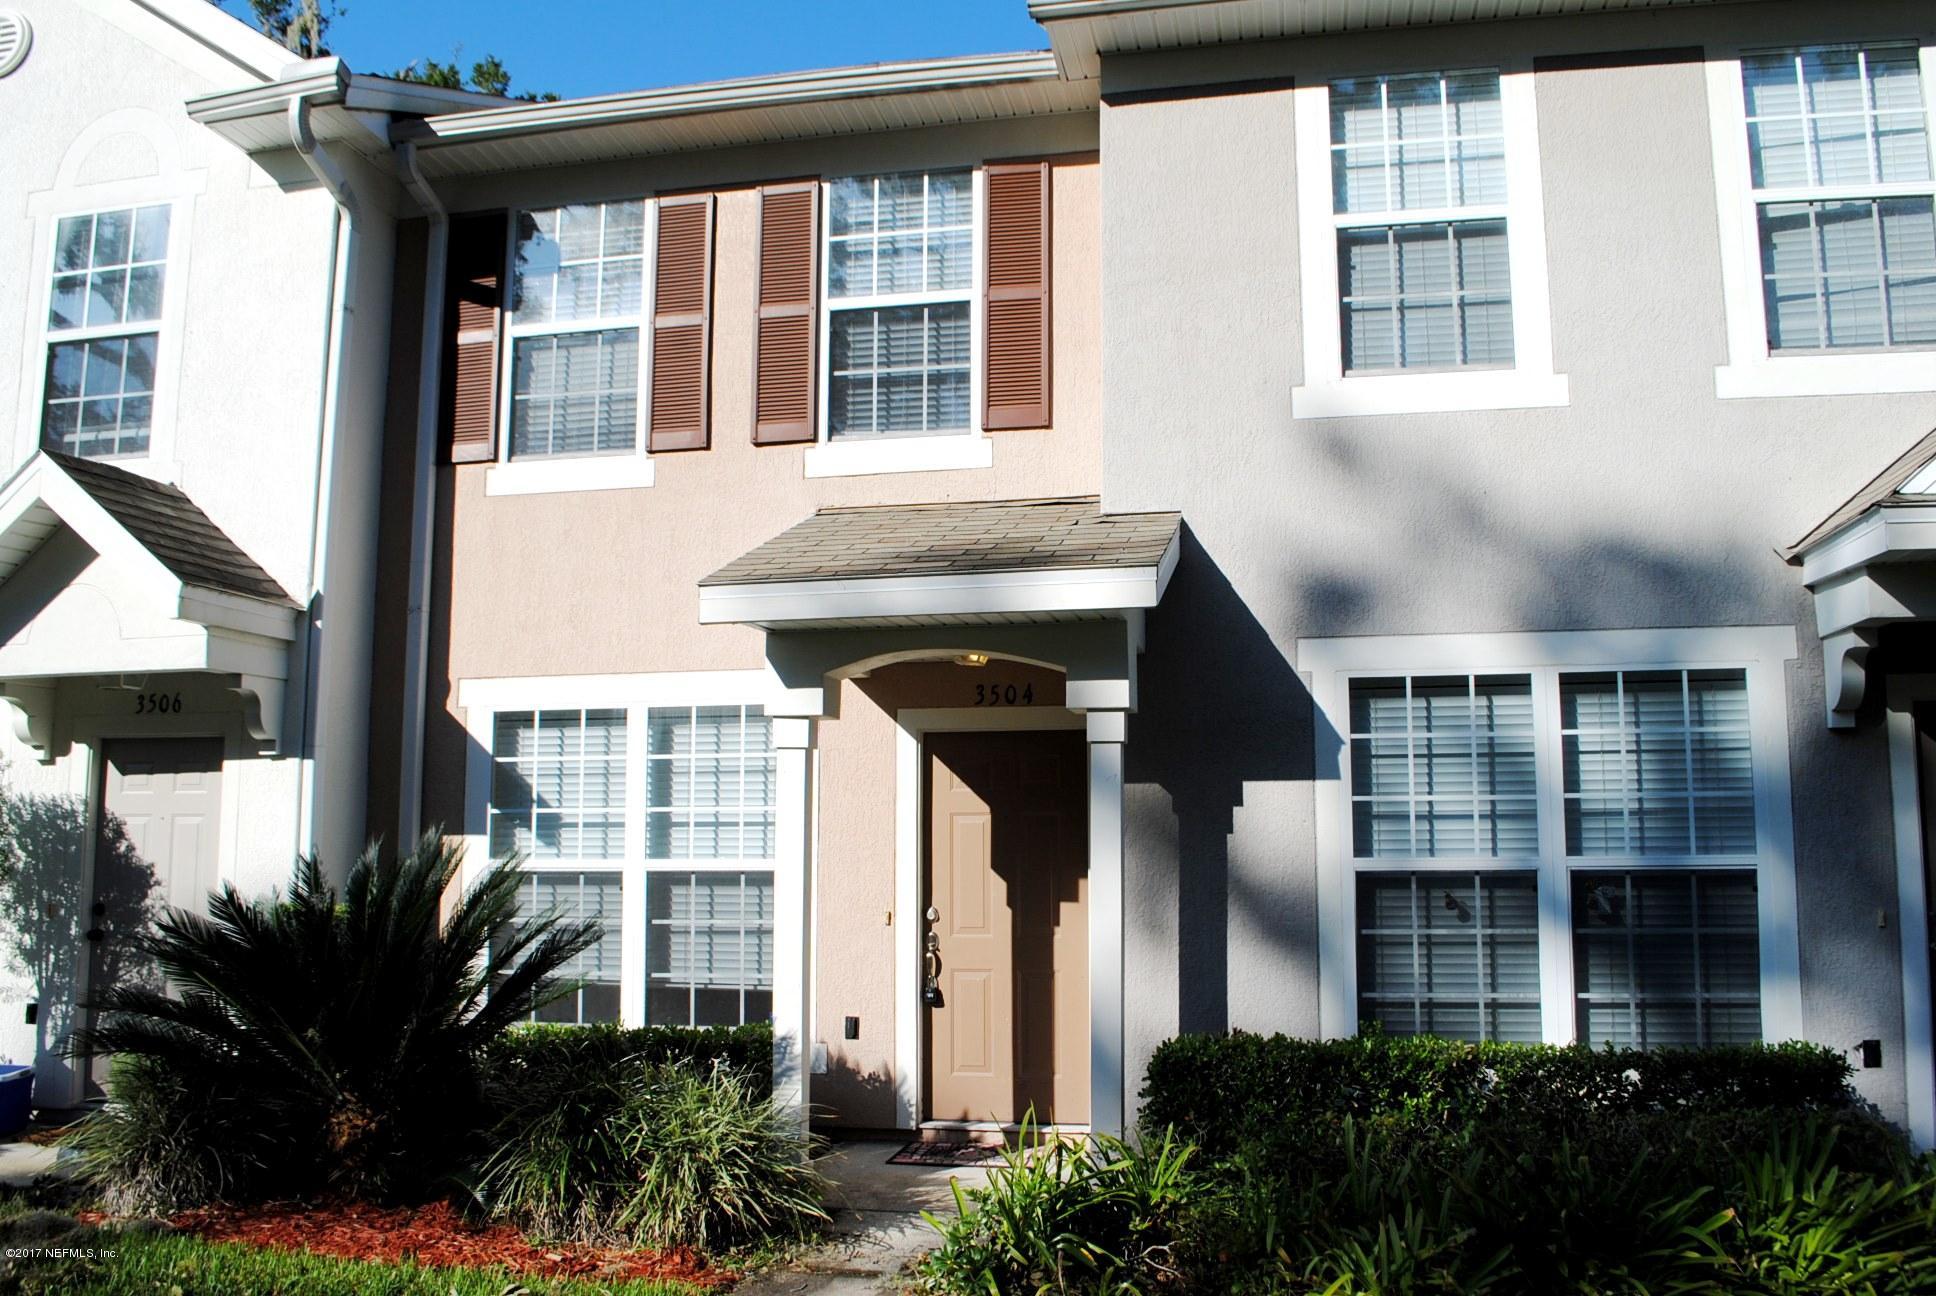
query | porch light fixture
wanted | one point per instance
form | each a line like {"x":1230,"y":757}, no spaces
{"x":972,"y":659}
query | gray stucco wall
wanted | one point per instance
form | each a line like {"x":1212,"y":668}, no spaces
{"x":1644,"y":502}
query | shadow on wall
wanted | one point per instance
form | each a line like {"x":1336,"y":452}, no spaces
{"x":845,"y":1097}
{"x":50,"y":913}
{"x":1219,"y":707}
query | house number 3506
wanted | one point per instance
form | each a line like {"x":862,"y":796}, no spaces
{"x":157,"y":704}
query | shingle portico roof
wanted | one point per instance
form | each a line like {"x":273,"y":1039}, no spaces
{"x":1885,"y":490}
{"x":169,"y":525}
{"x":977,"y":538}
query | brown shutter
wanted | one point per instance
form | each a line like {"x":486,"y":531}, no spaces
{"x":472,"y":307}
{"x":682,"y":300}
{"x":1018,"y":296}
{"x":783,"y":363}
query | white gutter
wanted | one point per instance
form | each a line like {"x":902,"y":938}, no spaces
{"x":344,"y":247}
{"x":793,"y":88}
{"x":423,"y":503}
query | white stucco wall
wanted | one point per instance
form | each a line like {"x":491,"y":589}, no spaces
{"x":94,"y":119}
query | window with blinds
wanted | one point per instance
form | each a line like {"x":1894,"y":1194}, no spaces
{"x":103,"y":331}
{"x":1657,"y":763}
{"x":710,"y":774}
{"x":1645,"y":784}
{"x":709,"y":948}
{"x":1442,"y":767}
{"x":1839,"y":159}
{"x":900,"y":279}
{"x":1418,"y":177}
{"x":577,"y":897}
{"x":578,"y":292}
{"x":1450,"y":954}
{"x":558,"y":785}
{"x":1666,"y":958}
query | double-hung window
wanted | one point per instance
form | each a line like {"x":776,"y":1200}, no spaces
{"x":576,"y":359}
{"x":103,"y":331}
{"x":558,"y":796}
{"x":899,"y":316}
{"x":657,"y":821}
{"x":1845,"y":208}
{"x":1422,"y":245}
{"x":709,"y":865}
{"x":1826,"y":185}
{"x":1418,"y":186}
{"x":1561,"y":852}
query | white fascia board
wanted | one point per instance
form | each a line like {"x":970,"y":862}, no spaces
{"x":1881,"y":534}
{"x":324,"y":80}
{"x":221,"y":610}
{"x":978,"y":70}
{"x":233,"y":42}
{"x":47,"y":484}
{"x":980,"y":594}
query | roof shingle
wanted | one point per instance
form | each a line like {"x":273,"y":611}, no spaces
{"x":170,"y":526}
{"x":1884,"y":489}
{"x":954,"y":539}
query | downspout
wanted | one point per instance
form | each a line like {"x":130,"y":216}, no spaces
{"x":423,"y":503}
{"x":336,"y":329}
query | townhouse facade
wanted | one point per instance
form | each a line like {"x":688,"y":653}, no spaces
{"x":195,"y":343}
{"x":1262,"y":516}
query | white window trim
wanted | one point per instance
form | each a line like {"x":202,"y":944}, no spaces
{"x":482,"y":699}
{"x":934,"y":452}
{"x":553,"y":474}
{"x":1761,"y":651}
{"x":1751,"y":370}
{"x":177,"y":190}
{"x":1327,"y":391}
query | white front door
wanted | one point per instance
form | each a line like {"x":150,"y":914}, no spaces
{"x":157,"y":848}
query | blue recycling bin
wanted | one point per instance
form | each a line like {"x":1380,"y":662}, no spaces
{"x":16,"y":1098}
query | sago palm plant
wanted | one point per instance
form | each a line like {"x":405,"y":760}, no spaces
{"x":331,"y":1040}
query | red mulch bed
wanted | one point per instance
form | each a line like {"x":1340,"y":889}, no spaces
{"x":434,"y":1235}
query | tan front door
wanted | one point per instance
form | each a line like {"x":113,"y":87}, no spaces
{"x":160,"y":813}
{"x":1007,"y":888}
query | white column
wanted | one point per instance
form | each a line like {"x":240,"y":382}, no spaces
{"x":792,"y":909}
{"x":1106,"y":1033}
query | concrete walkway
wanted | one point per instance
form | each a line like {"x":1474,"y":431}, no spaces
{"x":22,"y":1163}
{"x":877,"y":1228}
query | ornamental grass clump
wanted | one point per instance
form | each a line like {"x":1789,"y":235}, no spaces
{"x":318,"y":1043}
{"x":649,"y":1153}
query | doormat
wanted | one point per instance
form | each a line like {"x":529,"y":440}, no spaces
{"x":924,"y":1152}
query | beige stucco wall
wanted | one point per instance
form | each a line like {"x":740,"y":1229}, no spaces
{"x":605,"y":582}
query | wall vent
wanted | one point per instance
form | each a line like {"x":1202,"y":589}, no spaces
{"x":15,"y":37}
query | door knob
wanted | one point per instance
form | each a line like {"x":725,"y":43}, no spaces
{"x":931,"y":963}
{"x":95,"y":934}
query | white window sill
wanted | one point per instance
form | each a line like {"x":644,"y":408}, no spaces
{"x":941,"y":453}
{"x":1870,"y":373}
{"x":1428,"y":393}
{"x":552,"y":476}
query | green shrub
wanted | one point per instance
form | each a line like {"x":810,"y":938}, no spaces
{"x":1223,"y":1090}
{"x":530,"y":1053}
{"x":163,"y":1145}
{"x":342,"y":1034}
{"x":656,"y":1153}
{"x":1104,"y":1216}
{"x":1397,"y":1214}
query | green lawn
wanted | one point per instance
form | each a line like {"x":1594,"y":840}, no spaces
{"x":176,"y":1265}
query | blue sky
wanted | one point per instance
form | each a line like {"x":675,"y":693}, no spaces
{"x":584,"y":47}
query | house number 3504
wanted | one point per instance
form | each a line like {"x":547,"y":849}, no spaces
{"x":988,"y":695}
{"x":157,"y":704}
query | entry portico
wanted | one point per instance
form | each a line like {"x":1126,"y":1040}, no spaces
{"x":1055,"y":583}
